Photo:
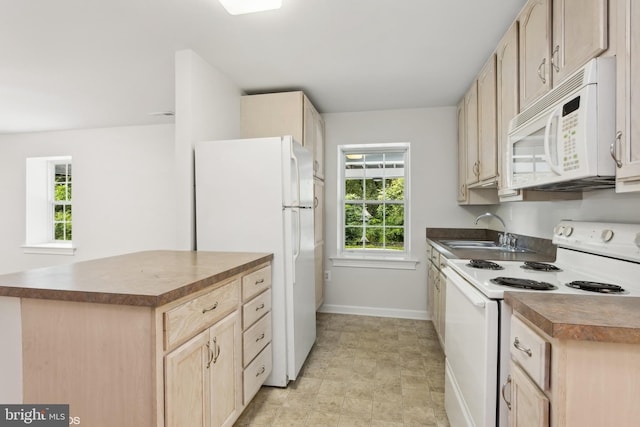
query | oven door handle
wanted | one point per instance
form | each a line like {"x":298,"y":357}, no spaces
{"x":465,"y":288}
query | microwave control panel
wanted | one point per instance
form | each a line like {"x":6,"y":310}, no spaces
{"x":570,"y":111}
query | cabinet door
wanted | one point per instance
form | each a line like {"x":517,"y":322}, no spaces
{"x":309,"y":127}
{"x":462,"y":155}
{"x":579,"y":34}
{"x":318,"y":255}
{"x":507,"y":102}
{"x":225,"y":371}
{"x":471,"y":133}
{"x":535,"y":64}
{"x":627,"y":147}
{"x":529,"y":405}
{"x":318,"y":147}
{"x":487,"y":137}
{"x":272,"y":114}
{"x":187,"y":383}
{"x":318,"y":211}
{"x":431,"y":291}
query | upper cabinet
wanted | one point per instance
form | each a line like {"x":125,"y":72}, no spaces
{"x":626,"y":148}
{"x":487,"y":125}
{"x":285,"y":113}
{"x":555,"y":40}
{"x":507,"y":100}
{"x":580,"y":29}
{"x":535,"y":50}
{"x":471,"y":134}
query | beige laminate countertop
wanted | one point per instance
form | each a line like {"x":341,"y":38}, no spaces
{"x":610,"y":318}
{"x":150,"y":278}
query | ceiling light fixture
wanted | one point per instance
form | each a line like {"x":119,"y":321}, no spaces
{"x":238,"y":7}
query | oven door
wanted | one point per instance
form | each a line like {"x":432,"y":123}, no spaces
{"x":471,"y":348}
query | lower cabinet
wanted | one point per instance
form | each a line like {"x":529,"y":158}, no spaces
{"x":204,"y":377}
{"x":529,"y":405}
{"x":210,"y":378}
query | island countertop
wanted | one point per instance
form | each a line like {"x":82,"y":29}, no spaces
{"x":149,"y":278}
{"x":614,"y":319}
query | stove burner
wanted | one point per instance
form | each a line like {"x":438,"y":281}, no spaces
{"x":523,"y":283}
{"x":539,"y":266}
{"x":484,"y":265}
{"x":604,"y":288}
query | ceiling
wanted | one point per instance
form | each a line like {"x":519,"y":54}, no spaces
{"x":67,"y":64}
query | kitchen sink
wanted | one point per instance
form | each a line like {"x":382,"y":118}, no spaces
{"x":480,"y":244}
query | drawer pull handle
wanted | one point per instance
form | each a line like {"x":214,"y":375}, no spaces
{"x":504,"y":386}
{"x":516,"y":344}
{"x":213,"y":307}
{"x":261,"y":371}
{"x":259,"y":281}
{"x":260,"y":307}
{"x":261,"y":337}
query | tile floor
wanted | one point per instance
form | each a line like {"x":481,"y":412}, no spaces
{"x":362,"y":371}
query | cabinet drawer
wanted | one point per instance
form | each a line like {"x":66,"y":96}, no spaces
{"x":255,"y":338}
{"x":256,"y":373}
{"x":256,"y":282}
{"x":531,"y":351}
{"x":183,"y":321}
{"x":256,"y":308}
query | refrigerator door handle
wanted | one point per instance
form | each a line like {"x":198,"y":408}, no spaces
{"x":297,"y":238}
{"x":296,"y":166}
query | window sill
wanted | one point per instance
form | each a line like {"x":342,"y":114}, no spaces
{"x":356,"y":261}
{"x":49,"y":249}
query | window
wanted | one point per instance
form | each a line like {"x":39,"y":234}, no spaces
{"x":49,"y":216}
{"x":373,"y":194}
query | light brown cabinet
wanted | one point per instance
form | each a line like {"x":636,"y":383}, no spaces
{"x":626,"y":148}
{"x":535,"y":50}
{"x":204,"y":377}
{"x":285,"y":113}
{"x":564,"y":382}
{"x":471,"y":134}
{"x":529,"y":405}
{"x":556,"y":38}
{"x":436,"y":291}
{"x":580,"y":32}
{"x":487,"y":124}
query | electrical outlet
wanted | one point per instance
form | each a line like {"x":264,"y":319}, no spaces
{"x":327,"y":276}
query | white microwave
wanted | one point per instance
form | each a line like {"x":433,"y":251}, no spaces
{"x":562,"y":141}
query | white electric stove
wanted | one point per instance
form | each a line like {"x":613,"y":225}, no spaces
{"x":604,"y":258}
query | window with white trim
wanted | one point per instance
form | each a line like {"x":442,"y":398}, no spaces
{"x":49,"y":216}
{"x":373,"y":189}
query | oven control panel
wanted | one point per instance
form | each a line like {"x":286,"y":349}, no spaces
{"x":620,"y":241}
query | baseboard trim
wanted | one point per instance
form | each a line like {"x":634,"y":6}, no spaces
{"x":373,"y":311}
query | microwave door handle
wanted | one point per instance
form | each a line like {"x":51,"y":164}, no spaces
{"x":547,"y":142}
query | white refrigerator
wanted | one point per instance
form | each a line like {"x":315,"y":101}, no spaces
{"x":256,"y":195}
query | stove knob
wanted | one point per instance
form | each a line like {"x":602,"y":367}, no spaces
{"x":606,"y":235}
{"x":558,"y":230}
{"x":637,"y":240}
{"x":567,"y":231}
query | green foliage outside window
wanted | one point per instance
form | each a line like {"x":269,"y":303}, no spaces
{"x":62,"y":212}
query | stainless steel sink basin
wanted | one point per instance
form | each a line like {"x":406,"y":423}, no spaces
{"x":480,"y":244}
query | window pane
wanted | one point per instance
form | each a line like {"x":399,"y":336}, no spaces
{"x":353,"y":214}
{"x":394,"y":238}
{"x":61,"y":192}
{"x":394,"y":215}
{"x":59,"y":231}
{"x":353,"y":189}
{"x":374,"y":214}
{"x":353,"y":237}
{"x":375,"y":237}
{"x":394,"y":189}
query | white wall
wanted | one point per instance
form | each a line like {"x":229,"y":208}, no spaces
{"x":207,"y":107}
{"x":538,"y":218}
{"x":433,"y":137}
{"x":122,"y":191}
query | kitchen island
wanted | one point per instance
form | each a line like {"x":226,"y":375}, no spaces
{"x":113,"y":337}
{"x":588,"y":349}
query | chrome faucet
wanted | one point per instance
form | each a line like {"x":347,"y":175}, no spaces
{"x":505,"y":239}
